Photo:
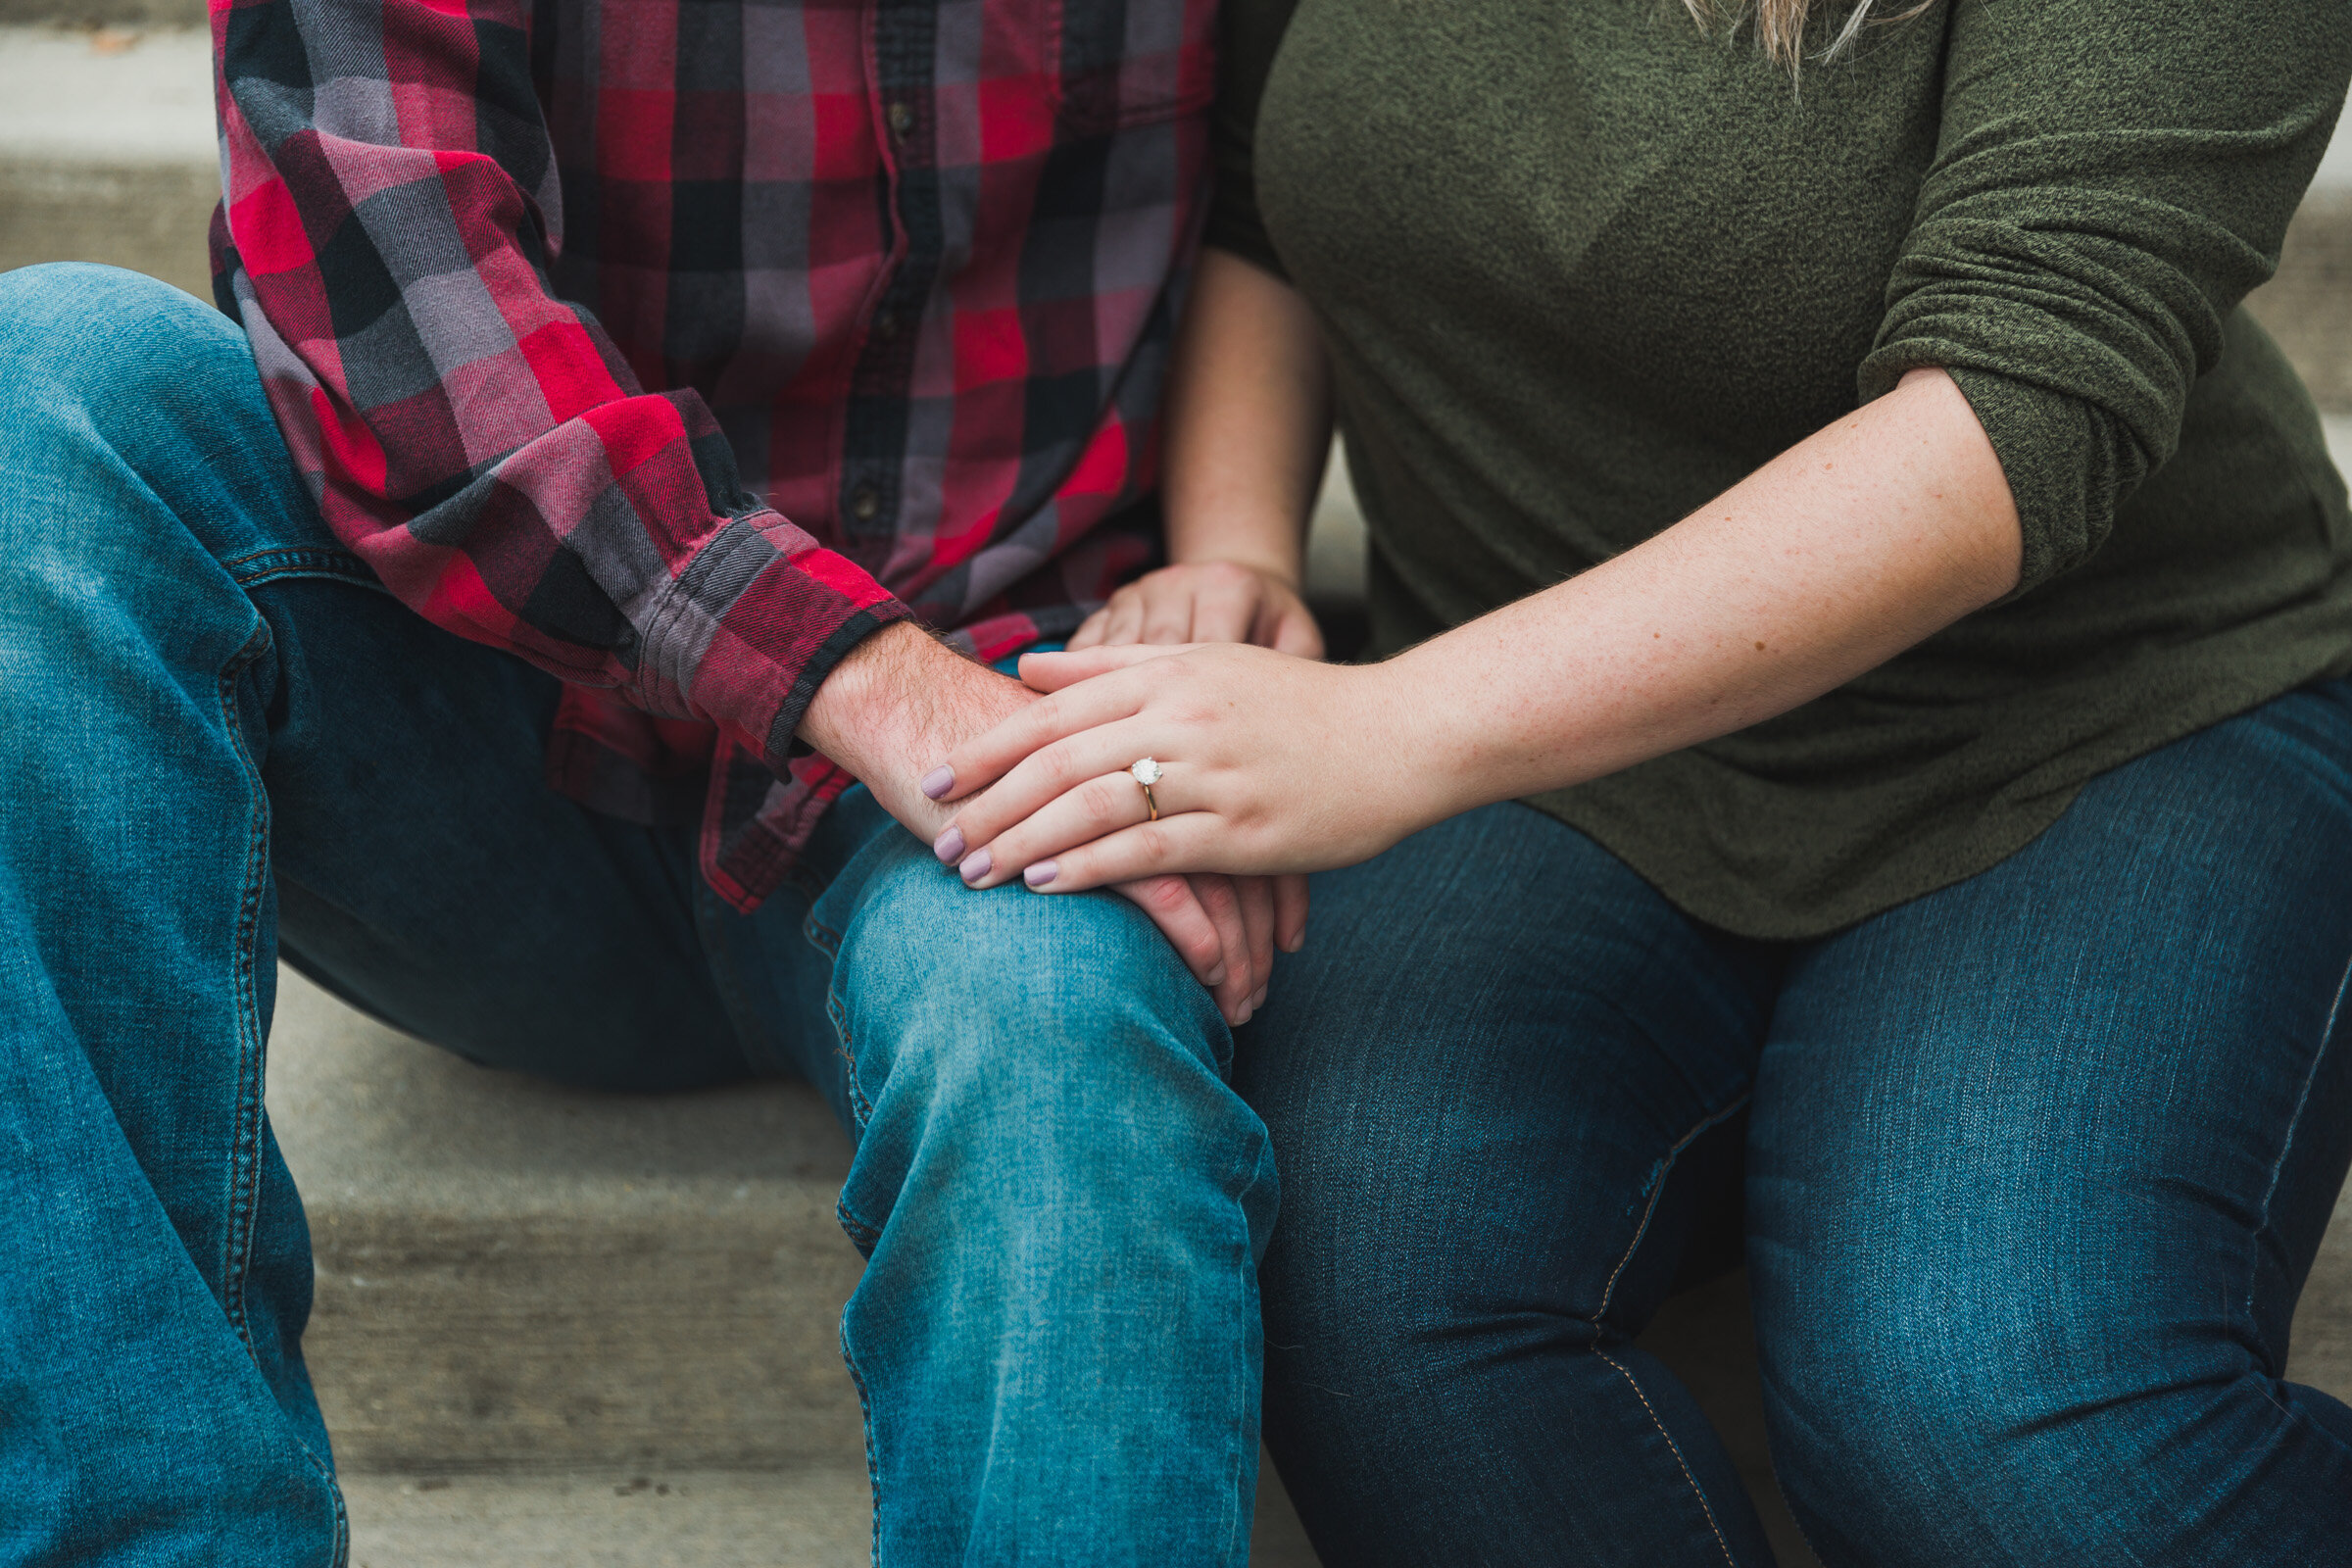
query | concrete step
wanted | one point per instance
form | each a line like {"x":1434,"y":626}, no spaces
{"x":612,"y":1518}
{"x":90,"y":16}
{"x":107,"y":148}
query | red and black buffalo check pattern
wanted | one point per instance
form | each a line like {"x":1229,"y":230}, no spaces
{"x":677,"y":345}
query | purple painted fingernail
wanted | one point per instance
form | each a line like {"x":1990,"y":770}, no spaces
{"x":948,"y":846}
{"x":975,"y":866}
{"x":1043,"y":872}
{"x":939,"y":781}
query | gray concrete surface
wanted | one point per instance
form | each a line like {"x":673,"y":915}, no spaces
{"x":88,"y":14}
{"x":612,"y":1518}
{"x":649,"y":1517}
{"x":510,"y":1273}
{"x":106,"y":149}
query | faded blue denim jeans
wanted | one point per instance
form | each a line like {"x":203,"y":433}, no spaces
{"x":2035,"y":1167}
{"x":225,"y":744}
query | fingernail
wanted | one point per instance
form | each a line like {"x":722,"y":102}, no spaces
{"x":975,"y":866}
{"x":939,"y":781}
{"x":1259,"y":999}
{"x":948,"y":846}
{"x":1043,"y":872}
{"x":1216,"y":977}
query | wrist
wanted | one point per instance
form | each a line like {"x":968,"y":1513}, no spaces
{"x":885,"y":699}
{"x":1427,"y":721}
{"x":1287,"y":568}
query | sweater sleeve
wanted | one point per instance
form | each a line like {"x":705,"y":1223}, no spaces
{"x":1249,"y":33}
{"x":2112,"y":176}
{"x":392,"y":210}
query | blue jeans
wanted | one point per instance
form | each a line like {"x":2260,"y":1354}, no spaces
{"x":226,"y":744}
{"x":2035,"y":1167}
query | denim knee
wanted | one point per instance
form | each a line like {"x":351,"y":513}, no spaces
{"x":1059,"y":1036}
{"x":138,"y":456}
{"x":1940,"y":1418}
{"x":80,"y":344}
{"x":127,"y":405}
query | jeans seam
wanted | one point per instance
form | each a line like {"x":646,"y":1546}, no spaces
{"x":1696,"y":1491}
{"x":244,"y":1196}
{"x":1237,"y":1525}
{"x":1657,"y":1188}
{"x":873,"y":1459}
{"x":245,"y":1168}
{"x":252,"y":569}
{"x":339,"y":1551}
{"x":2286,"y":1149}
{"x":827,"y":941}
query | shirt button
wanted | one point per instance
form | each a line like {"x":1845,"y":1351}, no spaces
{"x":886,"y":325}
{"x":864,"y":501}
{"x":900,"y":117}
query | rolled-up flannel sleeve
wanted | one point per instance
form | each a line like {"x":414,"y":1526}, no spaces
{"x":390,"y":214}
{"x":2111,"y":178}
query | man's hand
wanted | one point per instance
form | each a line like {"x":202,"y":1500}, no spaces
{"x":902,"y":700}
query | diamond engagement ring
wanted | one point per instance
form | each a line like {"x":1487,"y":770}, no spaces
{"x":1147,"y":773}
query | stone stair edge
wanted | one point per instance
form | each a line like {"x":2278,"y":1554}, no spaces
{"x":90,"y":14}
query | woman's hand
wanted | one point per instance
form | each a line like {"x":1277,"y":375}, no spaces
{"x":1270,"y":764}
{"x":1222,"y":602}
{"x":1206,"y":602}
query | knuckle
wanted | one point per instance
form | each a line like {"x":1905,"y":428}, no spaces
{"x":1058,"y":761}
{"x":1100,"y":801}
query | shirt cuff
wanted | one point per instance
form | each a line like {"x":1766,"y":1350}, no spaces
{"x":752,"y":627}
{"x":2060,"y":455}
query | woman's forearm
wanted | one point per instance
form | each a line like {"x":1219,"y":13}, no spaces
{"x":1248,"y":421}
{"x":1840,"y":554}
{"x":1833,"y":558}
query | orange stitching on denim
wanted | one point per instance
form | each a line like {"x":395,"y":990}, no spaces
{"x":2294,"y":1126}
{"x":253,"y":1046}
{"x":1657,"y":1190}
{"x":1676,"y":1451}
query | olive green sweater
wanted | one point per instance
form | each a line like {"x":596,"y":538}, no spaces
{"x":1580,"y":268}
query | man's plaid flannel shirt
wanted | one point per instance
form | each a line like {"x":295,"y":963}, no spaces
{"x":677,"y":345}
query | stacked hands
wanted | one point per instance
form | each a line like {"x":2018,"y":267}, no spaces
{"x":1214,"y":670}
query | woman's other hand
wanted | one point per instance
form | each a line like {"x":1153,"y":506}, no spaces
{"x":1206,"y":602}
